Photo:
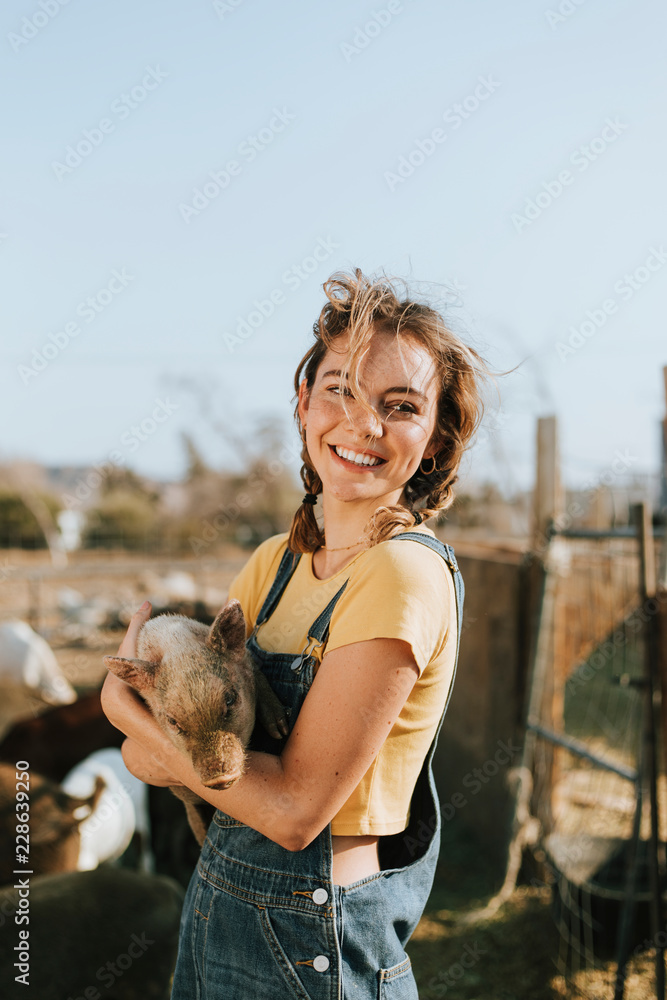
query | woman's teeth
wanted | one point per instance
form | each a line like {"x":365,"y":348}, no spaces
{"x":358,"y":459}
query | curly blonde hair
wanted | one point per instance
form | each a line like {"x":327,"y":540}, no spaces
{"x":359,"y":306}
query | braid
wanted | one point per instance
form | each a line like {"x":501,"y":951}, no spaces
{"x":389,"y":521}
{"x":305,"y":534}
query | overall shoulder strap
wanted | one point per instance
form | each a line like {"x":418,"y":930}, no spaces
{"x":320,"y":628}
{"x":447,"y":553}
{"x":288,"y":564}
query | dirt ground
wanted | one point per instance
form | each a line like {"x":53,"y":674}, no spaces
{"x":512,"y":956}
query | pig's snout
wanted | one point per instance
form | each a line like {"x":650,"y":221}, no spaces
{"x":222,"y":765}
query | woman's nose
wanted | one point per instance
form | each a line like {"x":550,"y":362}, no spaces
{"x":363,"y":421}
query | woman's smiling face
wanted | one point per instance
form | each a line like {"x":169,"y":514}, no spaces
{"x":360,"y":455}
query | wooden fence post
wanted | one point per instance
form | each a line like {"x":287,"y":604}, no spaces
{"x":548,"y":508}
{"x":548,"y":496}
{"x":661,"y":583}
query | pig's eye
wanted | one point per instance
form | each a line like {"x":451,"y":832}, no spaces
{"x":231,"y":698}
{"x":172,"y":722}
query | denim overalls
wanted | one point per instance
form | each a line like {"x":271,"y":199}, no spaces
{"x":263,"y":923}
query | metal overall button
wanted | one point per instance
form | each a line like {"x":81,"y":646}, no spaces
{"x":320,"y":963}
{"x":320,"y":896}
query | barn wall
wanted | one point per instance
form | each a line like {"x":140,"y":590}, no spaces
{"x":483,"y":723}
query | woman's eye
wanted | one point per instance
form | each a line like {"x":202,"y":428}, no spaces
{"x":401,"y":407}
{"x":336,"y":389}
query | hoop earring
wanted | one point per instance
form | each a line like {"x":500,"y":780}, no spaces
{"x":431,"y":470}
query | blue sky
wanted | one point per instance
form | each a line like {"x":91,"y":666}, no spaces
{"x":316,"y":107}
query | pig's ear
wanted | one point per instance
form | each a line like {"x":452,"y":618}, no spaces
{"x":139,"y":674}
{"x":227,"y":633}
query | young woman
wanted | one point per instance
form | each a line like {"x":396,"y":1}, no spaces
{"x":320,"y":859}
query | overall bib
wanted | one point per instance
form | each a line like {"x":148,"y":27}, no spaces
{"x":260,"y":922}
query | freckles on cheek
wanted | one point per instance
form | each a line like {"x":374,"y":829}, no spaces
{"x":327,"y":406}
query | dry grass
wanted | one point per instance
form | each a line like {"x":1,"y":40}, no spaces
{"x":513,"y":956}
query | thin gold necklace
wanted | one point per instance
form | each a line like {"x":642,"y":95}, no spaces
{"x":344,"y":548}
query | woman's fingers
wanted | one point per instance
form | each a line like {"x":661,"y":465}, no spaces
{"x":128,"y":647}
{"x":122,"y":706}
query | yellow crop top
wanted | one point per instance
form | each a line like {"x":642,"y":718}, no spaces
{"x":394,"y":591}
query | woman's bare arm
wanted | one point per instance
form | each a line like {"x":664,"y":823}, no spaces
{"x":354,"y":700}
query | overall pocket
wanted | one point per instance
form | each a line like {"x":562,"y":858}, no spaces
{"x":397,"y":983}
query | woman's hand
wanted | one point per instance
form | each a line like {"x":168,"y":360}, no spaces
{"x":146,"y":752}
{"x":121,"y":704}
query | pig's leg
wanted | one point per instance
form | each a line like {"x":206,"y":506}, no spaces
{"x":270,"y":710}
{"x":199,"y":813}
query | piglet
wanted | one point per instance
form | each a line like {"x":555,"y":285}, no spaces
{"x":204,"y":693}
